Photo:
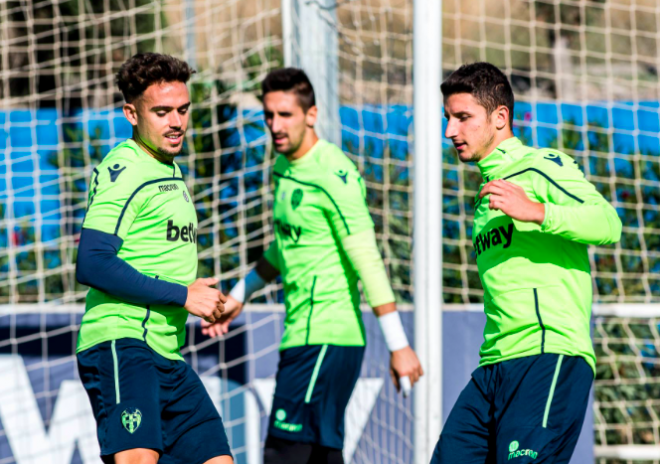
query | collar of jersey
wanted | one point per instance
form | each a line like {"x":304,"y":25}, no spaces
{"x":503,"y":155}
{"x":307,"y":157}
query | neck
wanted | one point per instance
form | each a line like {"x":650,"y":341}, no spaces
{"x":151,"y":152}
{"x":308,"y":142}
{"x":500,"y":136}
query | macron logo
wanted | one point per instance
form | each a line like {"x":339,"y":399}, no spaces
{"x":115,"y":171}
{"x":343,"y":175}
{"x":186,"y":233}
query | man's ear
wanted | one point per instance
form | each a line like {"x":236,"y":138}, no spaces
{"x":131,"y":113}
{"x":311,"y":115}
{"x":501,"y":115}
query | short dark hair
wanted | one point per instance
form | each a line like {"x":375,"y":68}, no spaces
{"x":485,"y":82}
{"x":144,"y":69}
{"x":290,"y":80}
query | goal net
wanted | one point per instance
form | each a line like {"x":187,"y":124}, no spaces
{"x":61,"y":114}
{"x":585,"y":77}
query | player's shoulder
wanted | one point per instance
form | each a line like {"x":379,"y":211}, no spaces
{"x":335,"y":170}
{"x":331,"y":156}
{"x":124,"y":166}
{"x":551,"y":163}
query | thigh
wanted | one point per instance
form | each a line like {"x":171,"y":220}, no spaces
{"x":193,"y":430}
{"x":543,"y":418}
{"x":314,"y":385}
{"x":289,"y":417}
{"x":324,"y":455}
{"x":328,"y":395}
{"x":281,"y":451}
{"x":122,"y":384}
{"x":467,"y":436}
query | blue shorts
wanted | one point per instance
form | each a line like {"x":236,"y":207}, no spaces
{"x":526,"y":410}
{"x":314,"y":384}
{"x":142,"y":400}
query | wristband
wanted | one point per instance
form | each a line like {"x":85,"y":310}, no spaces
{"x":392,"y":328}
{"x":247,"y":286}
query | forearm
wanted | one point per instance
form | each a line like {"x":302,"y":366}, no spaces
{"x":594,"y":224}
{"x":386,"y":308}
{"x":99,"y":267}
{"x":254,"y":281}
{"x":365,"y":258}
{"x":266,"y":270}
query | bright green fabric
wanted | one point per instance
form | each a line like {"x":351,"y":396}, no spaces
{"x":363,"y":253}
{"x":319,"y":200}
{"x":147,"y":204}
{"x":536,"y":279}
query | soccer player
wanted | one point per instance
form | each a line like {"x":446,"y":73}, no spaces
{"x":324,"y":241}
{"x":138,"y":253}
{"x":535,"y":214}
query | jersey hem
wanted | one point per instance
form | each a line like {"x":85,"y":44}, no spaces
{"x":333,"y":343}
{"x":87,"y":346}
{"x":537,"y":351}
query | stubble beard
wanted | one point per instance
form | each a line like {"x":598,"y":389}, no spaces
{"x":484,"y":146}
{"x":168,"y":153}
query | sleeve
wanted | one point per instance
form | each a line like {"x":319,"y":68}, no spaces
{"x":574,"y":209}
{"x":346,"y":204}
{"x":114,"y":199}
{"x":363,"y":253}
{"x":98,"y":266}
{"x":271,"y":255}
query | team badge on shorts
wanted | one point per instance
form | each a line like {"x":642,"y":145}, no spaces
{"x":131,"y":419}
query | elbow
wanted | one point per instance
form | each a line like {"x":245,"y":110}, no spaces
{"x":614,"y":229}
{"x":82,"y":274}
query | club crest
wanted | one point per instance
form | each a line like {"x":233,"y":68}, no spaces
{"x":296,"y":198}
{"x":131,"y":419}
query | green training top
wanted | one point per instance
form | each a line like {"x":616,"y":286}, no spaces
{"x":536,"y":279}
{"x":319,"y":200}
{"x":146,"y":204}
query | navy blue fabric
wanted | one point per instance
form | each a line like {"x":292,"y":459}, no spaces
{"x":280,"y":451}
{"x":98,"y":266}
{"x":176,"y":416}
{"x":498,"y":418}
{"x":322,"y":419}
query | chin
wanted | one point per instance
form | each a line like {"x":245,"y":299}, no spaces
{"x":466,"y":157}
{"x":283,"y":149}
{"x":170,"y":151}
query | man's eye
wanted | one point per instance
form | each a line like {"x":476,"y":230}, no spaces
{"x":183,"y":111}
{"x":160,"y":113}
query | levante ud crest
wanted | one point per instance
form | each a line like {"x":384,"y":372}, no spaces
{"x":131,"y":419}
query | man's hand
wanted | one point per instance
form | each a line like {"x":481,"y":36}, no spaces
{"x":512,"y":201}
{"x":220,"y":327}
{"x":404,"y":363}
{"x":204,"y":301}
